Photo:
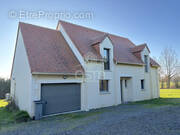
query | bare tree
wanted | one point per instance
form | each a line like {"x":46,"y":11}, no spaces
{"x":160,"y":73}
{"x":177,"y":81}
{"x":169,"y":61}
{"x":4,"y":87}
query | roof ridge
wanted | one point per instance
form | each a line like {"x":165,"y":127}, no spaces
{"x":143,"y":44}
{"x":43,"y":27}
{"x":91,"y":29}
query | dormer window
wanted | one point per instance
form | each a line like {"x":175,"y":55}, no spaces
{"x":106,"y":58}
{"x":146,"y":63}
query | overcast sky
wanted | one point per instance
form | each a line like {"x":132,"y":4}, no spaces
{"x":155,"y":22}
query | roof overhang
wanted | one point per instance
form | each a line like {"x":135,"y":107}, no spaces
{"x":132,"y":64}
{"x":68,"y":74}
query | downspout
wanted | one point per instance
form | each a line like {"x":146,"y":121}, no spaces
{"x":151,"y":84}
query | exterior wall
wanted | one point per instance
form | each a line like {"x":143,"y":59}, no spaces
{"x":37,"y":80}
{"x":155,"y":83}
{"x":21,"y":82}
{"x":133,"y":91}
{"x":133,"y":74}
{"x":91,"y":97}
{"x":95,"y":98}
{"x":136,"y":74}
{"x":94,"y":73}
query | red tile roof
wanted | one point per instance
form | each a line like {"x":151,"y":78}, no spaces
{"x":139,"y":48}
{"x":48,"y":51}
{"x":98,"y":39}
{"x":154,"y":63}
{"x":84,"y":38}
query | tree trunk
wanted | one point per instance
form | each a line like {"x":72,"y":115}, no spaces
{"x":176,"y":84}
{"x":168,"y":82}
{"x":162,"y":84}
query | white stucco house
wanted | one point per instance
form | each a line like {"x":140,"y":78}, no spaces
{"x":74,"y":68}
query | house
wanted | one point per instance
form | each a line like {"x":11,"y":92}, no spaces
{"x":74,"y":68}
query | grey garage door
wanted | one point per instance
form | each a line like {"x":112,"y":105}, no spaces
{"x":60,"y":98}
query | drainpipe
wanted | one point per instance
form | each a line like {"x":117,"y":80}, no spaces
{"x":150,"y":76}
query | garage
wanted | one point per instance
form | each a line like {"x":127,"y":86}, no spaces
{"x":59,"y":98}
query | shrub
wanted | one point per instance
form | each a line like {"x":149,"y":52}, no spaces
{"x":22,"y":116}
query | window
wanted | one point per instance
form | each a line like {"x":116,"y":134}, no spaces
{"x":146,"y":63}
{"x":126,"y":83}
{"x":103,"y":86}
{"x":142,"y":84}
{"x":106,"y":57}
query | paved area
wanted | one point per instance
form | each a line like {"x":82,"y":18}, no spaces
{"x":119,"y":120}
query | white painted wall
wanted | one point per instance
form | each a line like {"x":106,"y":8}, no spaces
{"x":95,"y":98}
{"x":94,"y":73}
{"x":21,"y":80}
{"x":136,"y":73}
{"x":155,"y":83}
{"x":91,"y":97}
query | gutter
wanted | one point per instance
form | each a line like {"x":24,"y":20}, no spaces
{"x":138,"y":64}
{"x":46,"y":73}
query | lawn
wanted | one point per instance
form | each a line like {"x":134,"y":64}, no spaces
{"x":170,"y":93}
{"x":9,"y":114}
{"x":159,"y":102}
{"x":3,"y":103}
{"x":6,"y":117}
{"x":172,"y":84}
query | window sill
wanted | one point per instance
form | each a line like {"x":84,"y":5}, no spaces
{"x":104,"y":93}
{"x":107,"y":70}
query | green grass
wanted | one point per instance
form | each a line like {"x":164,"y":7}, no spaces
{"x":172,"y":84}
{"x":6,"y":117}
{"x":82,"y":114}
{"x":159,"y":102}
{"x":170,"y":93}
{"x":78,"y":115}
{"x":3,"y":103}
{"x":11,"y":115}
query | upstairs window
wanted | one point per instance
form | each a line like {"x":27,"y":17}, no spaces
{"x":106,"y":57}
{"x":146,"y":63}
{"x":142,"y":84}
{"x":103,"y":86}
{"x":126,"y":83}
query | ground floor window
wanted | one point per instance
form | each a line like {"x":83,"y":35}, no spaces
{"x":103,"y":86}
{"x":142,"y":84}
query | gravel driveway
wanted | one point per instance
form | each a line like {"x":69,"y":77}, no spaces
{"x":118,"y":120}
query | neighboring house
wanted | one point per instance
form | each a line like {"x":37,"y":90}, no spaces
{"x":74,"y":68}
